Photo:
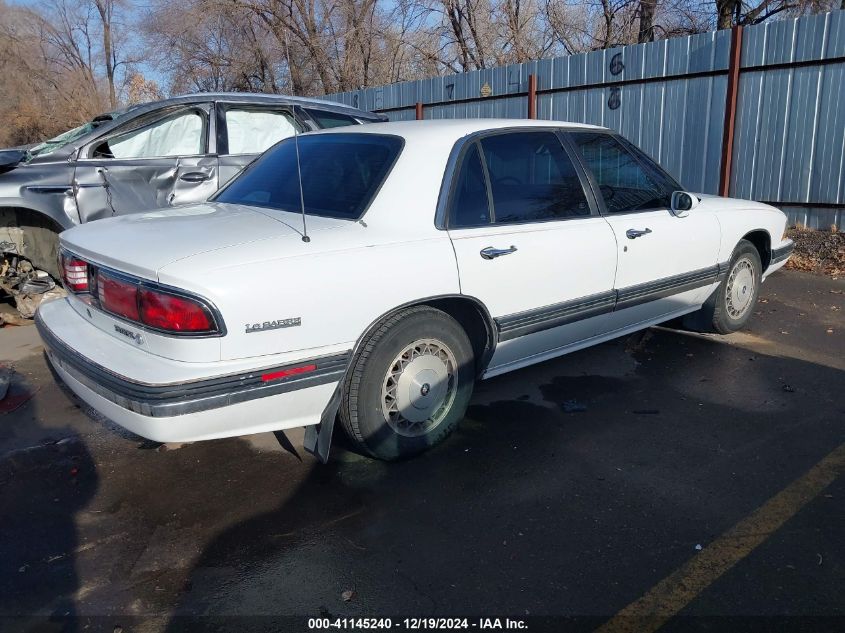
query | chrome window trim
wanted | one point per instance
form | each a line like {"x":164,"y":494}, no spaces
{"x":638,"y":155}
{"x":447,"y":185}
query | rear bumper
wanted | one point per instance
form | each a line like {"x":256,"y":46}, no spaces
{"x":196,"y":409}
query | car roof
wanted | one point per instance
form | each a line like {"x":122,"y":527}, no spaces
{"x":111,"y":120}
{"x":248,"y":97}
{"x":450,"y":130}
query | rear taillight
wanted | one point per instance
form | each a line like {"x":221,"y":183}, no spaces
{"x":118,"y":296}
{"x":74,"y":273}
{"x":136,"y":300}
{"x":173,"y":313}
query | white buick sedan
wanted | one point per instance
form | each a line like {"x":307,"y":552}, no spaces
{"x":405,"y":261}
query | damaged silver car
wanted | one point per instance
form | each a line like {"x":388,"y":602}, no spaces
{"x":149,"y":156}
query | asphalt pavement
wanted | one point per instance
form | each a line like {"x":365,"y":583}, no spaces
{"x":698,"y":478}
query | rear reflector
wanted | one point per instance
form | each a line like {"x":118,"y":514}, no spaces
{"x":117,"y":296}
{"x":173,"y":313}
{"x":284,"y":373}
{"x":74,"y":273}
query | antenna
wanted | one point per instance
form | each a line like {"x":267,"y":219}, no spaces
{"x":305,"y":237}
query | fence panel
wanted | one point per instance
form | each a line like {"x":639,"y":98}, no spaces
{"x":670,"y":98}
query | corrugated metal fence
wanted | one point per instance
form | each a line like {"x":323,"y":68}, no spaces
{"x":766,"y":122}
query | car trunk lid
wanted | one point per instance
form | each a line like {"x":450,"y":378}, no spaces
{"x":142,"y":243}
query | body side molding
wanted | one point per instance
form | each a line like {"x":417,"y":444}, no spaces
{"x":531,"y":321}
{"x":782,"y":253}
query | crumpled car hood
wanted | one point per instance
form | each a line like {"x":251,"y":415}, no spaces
{"x":143,"y":243}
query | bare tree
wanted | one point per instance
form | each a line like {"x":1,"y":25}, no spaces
{"x":106,"y":10}
{"x":62,"y":61}
{"x":646,"y":29}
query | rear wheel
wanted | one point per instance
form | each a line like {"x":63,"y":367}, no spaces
{"x":409,"y":385}
{"x":731,"y":306}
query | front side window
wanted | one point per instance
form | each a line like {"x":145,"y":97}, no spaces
{"x":532,"y":179}
{"x":179,"y":135}
{"x":625,"y":183}
{"x":340,"y":175}
{"x":253,"y":131}
{"x":469,"y":201}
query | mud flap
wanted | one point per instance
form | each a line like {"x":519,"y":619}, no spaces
{"x":318,"y":437}
{"x":702,"y":319}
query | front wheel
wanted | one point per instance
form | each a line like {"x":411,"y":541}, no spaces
{"x":730,"y":307}
{"x":410,"y":384}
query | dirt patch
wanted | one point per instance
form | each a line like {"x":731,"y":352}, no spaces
{"x":818,"y":251}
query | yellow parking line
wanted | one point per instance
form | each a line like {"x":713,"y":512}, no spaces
{"x":677,"y":590}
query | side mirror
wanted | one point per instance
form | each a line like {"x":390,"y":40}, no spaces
{"x":682,"y":202}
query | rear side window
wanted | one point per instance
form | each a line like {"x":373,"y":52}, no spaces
{"x":625,"y":183}
{"x":340,"y":175}
{"x":532,"y":178}
{"x":469,"y":203}
{"x":250,"y":131}
{"x":331,"y":119}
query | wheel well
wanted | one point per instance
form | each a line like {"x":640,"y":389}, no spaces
{"x":476,"y":321}
{"x":763,"y":243}
{"x":470,"y":314}
{"x":32,"y":235}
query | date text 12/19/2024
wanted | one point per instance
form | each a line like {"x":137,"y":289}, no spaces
{"x":416,"y":624}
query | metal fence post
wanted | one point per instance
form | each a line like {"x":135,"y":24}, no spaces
{"x":532,"y":96}
{"x":734,"y":64}
{"x":419,"y":111}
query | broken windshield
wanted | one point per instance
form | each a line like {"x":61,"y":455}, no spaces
{"x":50,"y":146}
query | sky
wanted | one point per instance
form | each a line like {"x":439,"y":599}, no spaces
{"x":136,"y":10}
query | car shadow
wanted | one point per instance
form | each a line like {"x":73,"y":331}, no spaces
{"x":43,"y":487}
{"x":569,"y":489}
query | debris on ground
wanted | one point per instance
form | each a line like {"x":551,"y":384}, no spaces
{"x":27,"y":285}
{"x":573,"y":406}
{"x":817,"y":251}
{"x":637,"y":341}
{"x":13,"y":393}
{"x":10,"y":318}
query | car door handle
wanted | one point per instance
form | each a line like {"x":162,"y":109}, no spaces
{"x":493,"y":253}
{"x":195,"y":176}
{"x":633,"y":234}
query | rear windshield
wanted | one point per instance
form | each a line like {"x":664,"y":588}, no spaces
{"x":340,"y":175}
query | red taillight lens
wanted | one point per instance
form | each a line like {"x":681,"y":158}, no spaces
{"x":135,"y":300}
{"x":74,"y":273}
{"x":170,"y":312}
{"x":117,"y":296}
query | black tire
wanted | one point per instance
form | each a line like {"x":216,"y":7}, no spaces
{"x":363,"y":407}
{"x":719,"y":314}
